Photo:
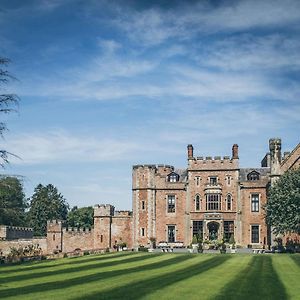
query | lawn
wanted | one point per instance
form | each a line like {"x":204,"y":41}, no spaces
{"x":155,"y":276}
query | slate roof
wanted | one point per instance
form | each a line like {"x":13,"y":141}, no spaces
{"x":245,"y":171}
{"x":182,"y":173}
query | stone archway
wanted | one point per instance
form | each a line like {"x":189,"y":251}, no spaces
{"x":213,"y":230}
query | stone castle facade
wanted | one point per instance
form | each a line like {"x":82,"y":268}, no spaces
{"x":213,"y":198}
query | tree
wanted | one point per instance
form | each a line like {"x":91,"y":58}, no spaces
{"x":283,"y":206}
{"x":12,"y":202}
{"x":81,"y":217}
{"x":8,"y":103}
{"x":46,"y":204}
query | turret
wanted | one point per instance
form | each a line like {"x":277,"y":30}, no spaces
{"x":275,"y":155}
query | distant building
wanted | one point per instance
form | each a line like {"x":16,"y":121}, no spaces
{"x":212,"y":198}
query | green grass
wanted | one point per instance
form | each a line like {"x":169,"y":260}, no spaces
{"x":155,"y":276}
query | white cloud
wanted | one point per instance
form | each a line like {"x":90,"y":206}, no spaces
{"x":155,"y":26}
{"x":60,"y":146}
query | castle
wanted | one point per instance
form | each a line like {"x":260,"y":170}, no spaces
{"x":213,"y":198}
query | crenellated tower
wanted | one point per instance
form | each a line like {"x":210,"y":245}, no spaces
{"x":102,"y":225}
{"x":54,"y":236}
{"x":143,"y":203}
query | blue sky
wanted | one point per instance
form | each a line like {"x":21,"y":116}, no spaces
{"x":108,"y":84}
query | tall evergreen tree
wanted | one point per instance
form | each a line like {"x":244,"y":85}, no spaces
{"x":283,"y":206}
{"x":81,"y":217}
{"x":12,"y":202}
{"x":46,"y":204}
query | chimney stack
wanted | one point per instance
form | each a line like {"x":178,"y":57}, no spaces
{"x":235,"y":151}
{"x":190,"y":149}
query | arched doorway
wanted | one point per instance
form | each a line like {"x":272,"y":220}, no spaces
{"x":213,"y":228}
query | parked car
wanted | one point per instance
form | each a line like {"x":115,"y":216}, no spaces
{"x":163,"y":244}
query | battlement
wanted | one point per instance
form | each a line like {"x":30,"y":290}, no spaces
{"x":144,"y":166}
{"x":72,"y":230}
{"x":104,"y":210}
{"x":54,"y":225}
{"x":213,"y":163}
{"x":123,"y":213}
{"x":158,"y":166}
{"x":14,"y":232}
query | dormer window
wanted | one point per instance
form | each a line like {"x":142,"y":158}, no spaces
{"x":253,"y":176}
{"x":173,"y":177}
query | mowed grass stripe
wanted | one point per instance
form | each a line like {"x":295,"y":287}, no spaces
{"x":75,"y":272}
{"x":205,"y":285}
{"x":288,"y":271}
{"x":165,"y":276}
{"x":54,"y":263}
{"x":74,"y":268}
{"x":136,"y":288}
{"x":258,"y":280}
{"x":64,"y":282}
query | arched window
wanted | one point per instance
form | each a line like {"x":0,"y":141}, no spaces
{"x":197,"y":203}
{"x":53,"y":237}
{"x":229,"y":202}
{"x":253,"y":176}
{"x":173,"y":177}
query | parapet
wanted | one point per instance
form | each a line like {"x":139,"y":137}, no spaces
{"x":144,"y":166}
{"x":54,"y":225}
{"x":13,"y":232}
{"x":123,"y":213}
{"x":104,"y":210}
{"x":75,"y":231}
{"x":212,"y":163}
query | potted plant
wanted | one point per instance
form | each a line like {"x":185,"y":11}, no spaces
{"x":222,"y":247}
{"x":200,"y":246}
{"x":152,"y":242}
{"x":232,"y":244}
{"x":195,"y":244}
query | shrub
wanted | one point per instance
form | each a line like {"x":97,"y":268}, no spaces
{"x":194,"y":240}
{"x":86,"y":252}
{"x":143,"y":249}
{"x":232,"y":240}
{"x":65,"y":255}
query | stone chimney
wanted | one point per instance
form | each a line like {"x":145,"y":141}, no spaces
{"x":235,"y":151}
{"x":190,"y":149}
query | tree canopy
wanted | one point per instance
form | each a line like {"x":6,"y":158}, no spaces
{"x":81,"y":217}
{"x":46,"y":204}
{"x":12,"y":202}
{"x":283,"y":206}
{"x":8,"y":104}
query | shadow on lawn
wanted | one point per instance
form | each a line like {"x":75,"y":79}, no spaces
{"x":65,"y":283}
{"x":295,"y":258}
{"x":258,"y":280}
{"x":80,"y":267}
{"x":137,"y":290}
{"x":27,"y":266}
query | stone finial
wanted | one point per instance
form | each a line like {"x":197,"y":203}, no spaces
{"x":190,"y":149}
{"x":235,"y":151}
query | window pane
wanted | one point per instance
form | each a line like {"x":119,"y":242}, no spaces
{"x":228,"y":230}
{"x":255,"y":202}
{"x":171,"y":203}
{"x":198,"y":228}
{"x":254,"y":234}
{"x":171,"y":233}
{"x":228,"y":202}
{"x":213,"y":202}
